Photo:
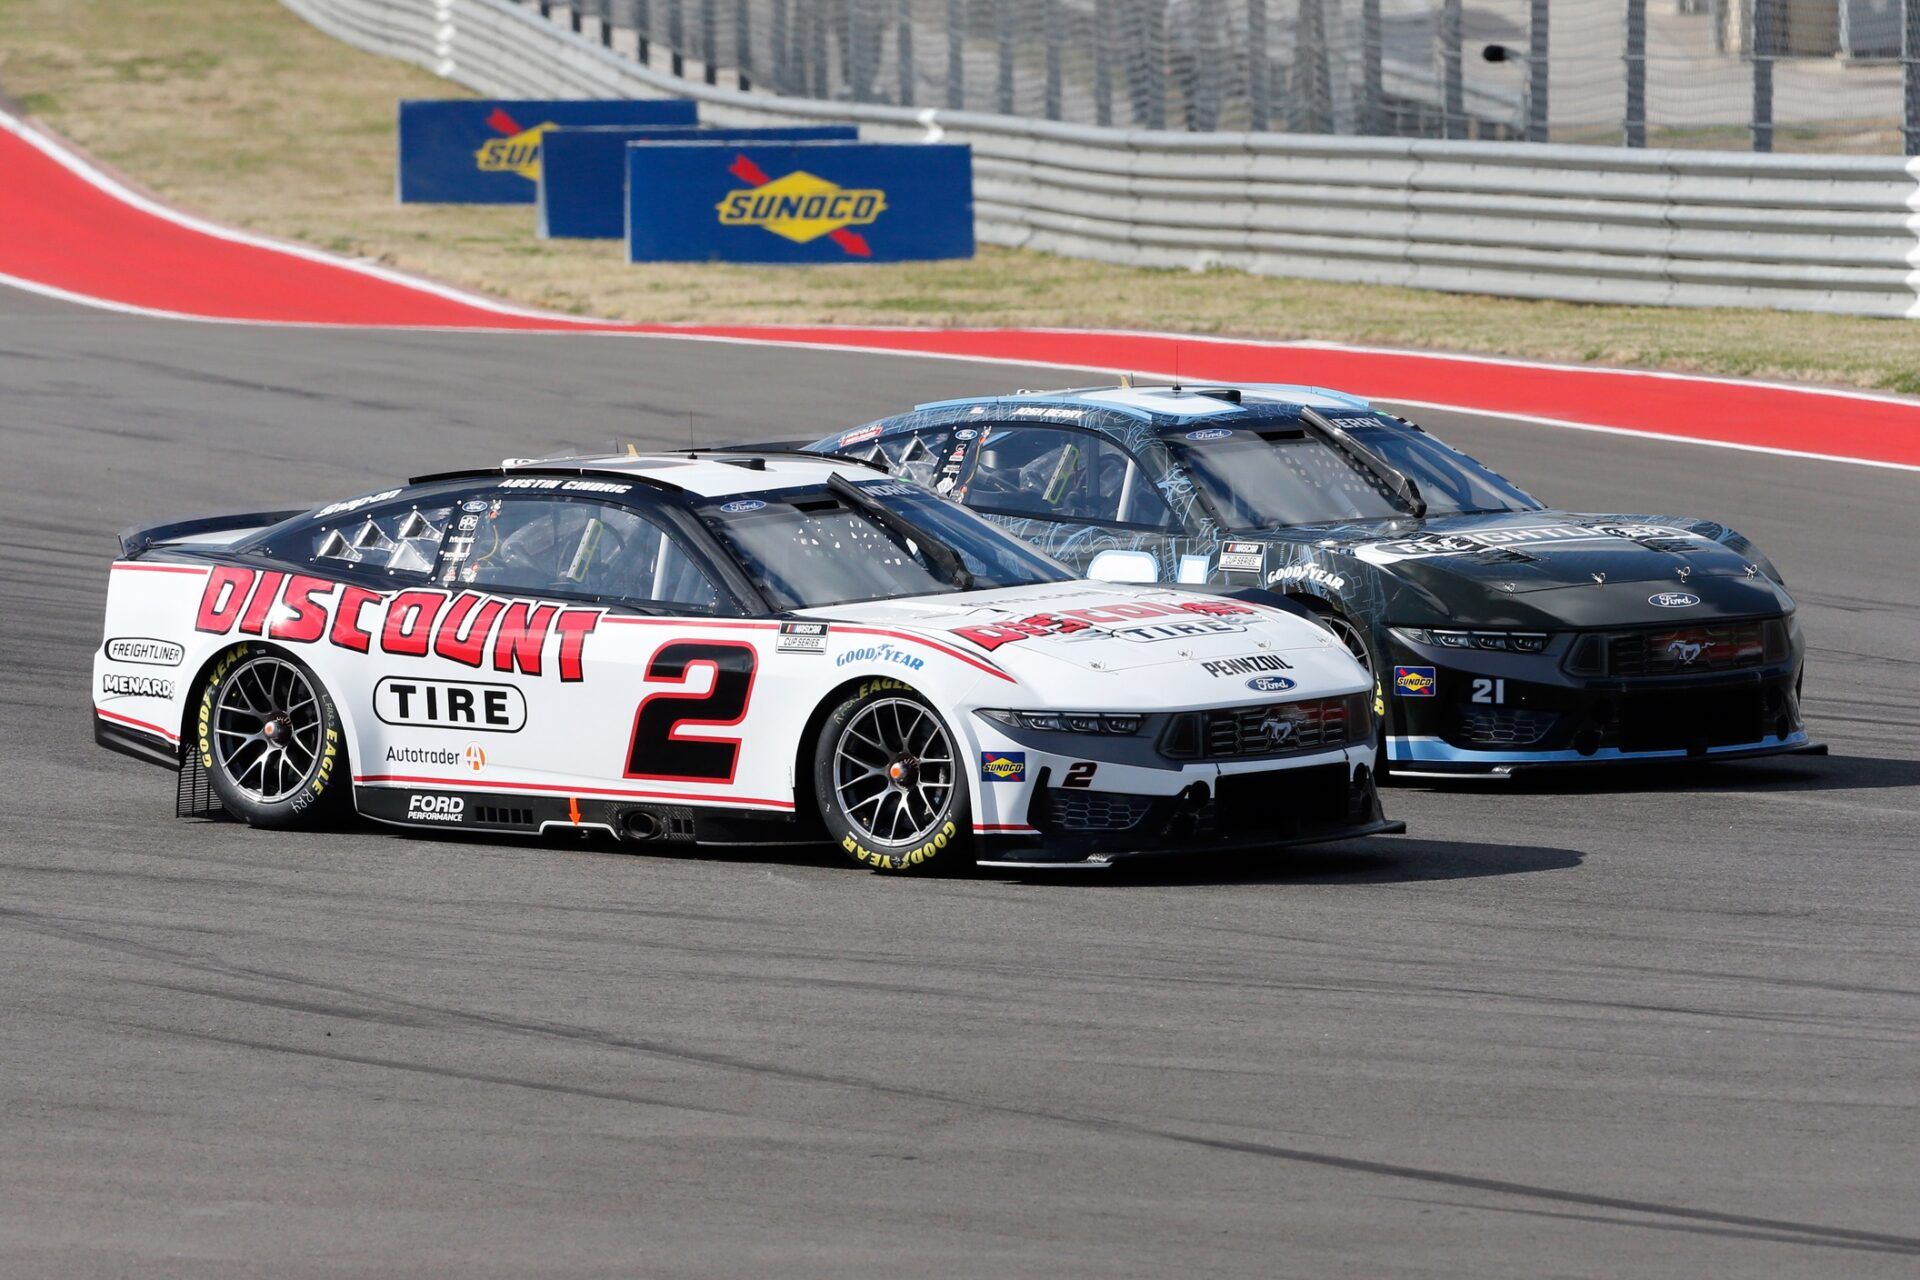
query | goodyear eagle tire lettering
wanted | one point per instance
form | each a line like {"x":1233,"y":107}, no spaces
{"x":889,"y":782}
{"x":271,"y":740}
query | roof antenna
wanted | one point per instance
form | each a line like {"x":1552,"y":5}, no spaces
{"x":691,"y":446}
{"x":1126,"y":382}
{"x":1176,"y":368}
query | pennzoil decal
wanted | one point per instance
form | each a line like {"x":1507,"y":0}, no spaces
{"x":801,"y":207}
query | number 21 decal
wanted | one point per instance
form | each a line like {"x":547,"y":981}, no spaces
{"x":1494,"y":691}
{"x":658,"y":750}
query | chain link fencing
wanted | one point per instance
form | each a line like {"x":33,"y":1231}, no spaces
{"x":1787,"y":75}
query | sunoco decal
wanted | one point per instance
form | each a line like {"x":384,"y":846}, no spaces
{"x":517,"y":150}
{"x":1415,"y":682}
{"x":1003,"y":766}
{"x":801,"y":207}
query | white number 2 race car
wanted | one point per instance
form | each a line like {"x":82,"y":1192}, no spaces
{"x":731,"y":648}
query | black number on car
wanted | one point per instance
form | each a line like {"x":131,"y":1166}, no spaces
{"x":657,"y":750}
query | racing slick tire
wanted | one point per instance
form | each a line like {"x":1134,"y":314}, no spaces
{"x":888,"y":781}
{"x":1360,"y":645}
{"x":270,"y":739}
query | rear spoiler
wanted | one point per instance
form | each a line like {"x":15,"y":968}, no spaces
{"x":140,"y":538}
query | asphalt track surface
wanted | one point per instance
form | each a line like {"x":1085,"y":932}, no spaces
{"x":1658,"y":1024}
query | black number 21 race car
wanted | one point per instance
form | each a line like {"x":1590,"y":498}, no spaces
{"x":1500,"y":634}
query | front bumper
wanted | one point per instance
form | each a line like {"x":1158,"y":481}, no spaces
{"x":1472,"y":712}
{"x":1272,"y":808}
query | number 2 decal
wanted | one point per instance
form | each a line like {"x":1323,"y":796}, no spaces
{"x":1494,"y":691}
{"x":1080,"y":774}
{"x":657,"y":749}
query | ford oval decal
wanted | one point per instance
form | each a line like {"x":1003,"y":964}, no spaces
{"x":1269,"y":684}
{"x":1674,"y":600}
{"x":743,"y":506}
{"x":1209,"y":433}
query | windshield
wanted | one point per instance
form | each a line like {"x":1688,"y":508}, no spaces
{"x":807,"y":548}
{"x":1258,"y":478}
{"x":1450,"y":481}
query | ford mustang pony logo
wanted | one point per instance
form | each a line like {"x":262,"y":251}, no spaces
{"x":1278,"y":731}
{"x":1673,"y":600}
{"x":1685,"y":652}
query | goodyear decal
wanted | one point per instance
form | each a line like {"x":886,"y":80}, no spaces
{"x":1415,"y":682}
{"x":517,"y":151}
{"x":1003,"y":766}
{"x":801,"y":207}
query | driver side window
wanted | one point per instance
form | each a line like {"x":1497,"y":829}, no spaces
{"x":571,"y":547}
{"x":1055,"y":474}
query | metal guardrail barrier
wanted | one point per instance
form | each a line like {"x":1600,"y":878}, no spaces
{"x":1828,"y":233}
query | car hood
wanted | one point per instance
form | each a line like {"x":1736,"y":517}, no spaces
{"x":1035,"y":632}
{"x":1539,"y":550}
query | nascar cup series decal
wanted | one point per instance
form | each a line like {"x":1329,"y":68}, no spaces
{"x":1415,"y":682}
{"x":801,"y":207}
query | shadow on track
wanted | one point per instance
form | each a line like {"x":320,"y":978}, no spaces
{"x":1780,"y":773}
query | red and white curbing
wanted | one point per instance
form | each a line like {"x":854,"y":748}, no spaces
{"x":79,"y":235}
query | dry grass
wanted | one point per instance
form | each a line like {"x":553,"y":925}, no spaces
{"x":239,"y":110}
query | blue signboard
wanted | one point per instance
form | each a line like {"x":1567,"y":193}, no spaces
{"x":463,"y":151}
{"x":583,"y":172}
{"x":798,"y":202}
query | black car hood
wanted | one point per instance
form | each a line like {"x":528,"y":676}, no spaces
{"x":1575,"y":567}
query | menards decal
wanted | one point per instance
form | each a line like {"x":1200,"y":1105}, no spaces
{"x":517,"y":152}
{"x":466,"y":627}
{"x":801,"y":207}
{"x":1168,"y":622}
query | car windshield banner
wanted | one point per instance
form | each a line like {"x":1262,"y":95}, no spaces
{"x":798,"y":202}
{"x":583,"y":172}
{"x":460,"y":151}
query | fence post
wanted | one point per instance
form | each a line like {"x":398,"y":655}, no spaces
{"x":818,"y":57}
{"x":903,"y":52}
{"x":1453,"y":102}
{"x":709,"y":41}
{"x":676,"y":36}
{"x":956,"y":54}
{"x":1053,"y":18}
{"x":1259,"y":91}
{"x":1910,"y":52}
{"x":1373,"y":116}
{"x":777,"y":48}
{"x":1636,"y":121}
{"x":1003,"y":33}
{"x":1539,"y":48}
{"x":1103,"y":63}
{"x":742,"y":44}
{"x":1316,"y":76}
{"x":1767,"y":15}
{"x":642,"y":25}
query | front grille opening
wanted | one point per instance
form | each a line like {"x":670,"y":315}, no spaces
{"x":1503,"y":726}
{"x":1271,"y":729}
{"x":1698,"y":649}
{"x":1068,"y":810}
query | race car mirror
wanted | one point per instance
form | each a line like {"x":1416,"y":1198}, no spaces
{"x":1124,"y":566}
